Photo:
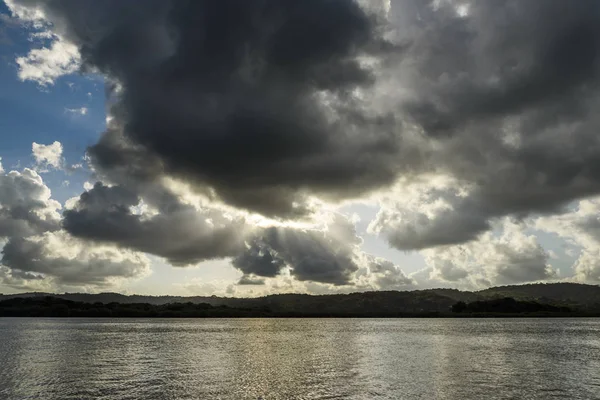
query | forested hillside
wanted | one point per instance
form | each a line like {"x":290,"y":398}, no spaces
{"x":576,"y":297}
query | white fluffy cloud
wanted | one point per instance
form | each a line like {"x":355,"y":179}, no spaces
{"x":48,"y":155}
{"x":581,"y":228}
{"x":516,"y":257}
{"x":507,"y":257}
{"x":46,"y":64}
{"x":26,"y":206}
{"x":587,"y":266}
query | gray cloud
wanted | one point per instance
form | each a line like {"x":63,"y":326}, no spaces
{"x":448,"y":271}
{"x":253,"y":100}
{"x":259,"y":259}
{"x":68,"y":261}
{"x":515,"y":264}
{"x":235,"y":99}
{"x":19,"y":280}
{"x":507,"y":256}
{"x":254,"y":110}
{"x":326,"y":256}
{"x":26,"y":207}
{"x":430,"y":214}
{"x":505,"y":96}
{"x":387,"y":275}
{"x":37,"y":254}
{"x":581,"y":227}
{"x":504,"y":58}
{"x":185,"y":235}
{"x":176,"y":231}
{"x":250,"y":280}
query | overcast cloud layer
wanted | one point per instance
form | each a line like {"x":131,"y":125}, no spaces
{"x":465,"y":121}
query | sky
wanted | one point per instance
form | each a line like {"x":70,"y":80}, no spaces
{"x":325,"y":146}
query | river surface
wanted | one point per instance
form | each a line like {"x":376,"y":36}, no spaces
{"x":299,"y":359}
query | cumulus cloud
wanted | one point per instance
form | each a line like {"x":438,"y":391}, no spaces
{"x":46,"y":64}
{"x":68,"y":261}
{"x":518,"y":257}
{"x":26,"y":206}
{"x":487,"y":94}
{"x":505,"y":95}
{"x":475,"y":112}
{"x":273,"y":117}
{"x":55,"y":58}
{"x":38,"y":255}
{"x":185,"y":235}
{"x":276,"y":116}
{"x":24,"y":281}
{"x":587,"y":267}
{"x":179,"y":232}
{"x":322,"y":255}
{"x":48,"y":155}
{"x":434,"y":211}
{"x":385,"y":275}
{"x":581,"y":227}
{"x":509,"y":255}
{"x":329,"y":254}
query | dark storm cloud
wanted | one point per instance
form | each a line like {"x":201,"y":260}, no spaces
{"x":507,"y":95}
{"x":504,"y":58}
{"x":263,"y":103}
{"x":185,"y":235}
{"x":259,"y":259}
{"x":253,"y":103}
{"x":178,"y":232}
{"x":254,"y":99}
{"x":250,"y":280}
{"x":313,"y":255}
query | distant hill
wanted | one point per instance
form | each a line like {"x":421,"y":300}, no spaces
{"x":48,"y":306}
{"x":578,"y":297}
{"x":350,"y":306}
{"x":121,"y":298}
{"x":574,"y":295}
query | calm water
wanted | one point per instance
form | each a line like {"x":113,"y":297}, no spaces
{"x":299,"y":359}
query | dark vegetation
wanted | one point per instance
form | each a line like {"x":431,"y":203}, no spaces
{"x":507,"y":305}
{"x":561,"y":299}
{"x":49,"y":306}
